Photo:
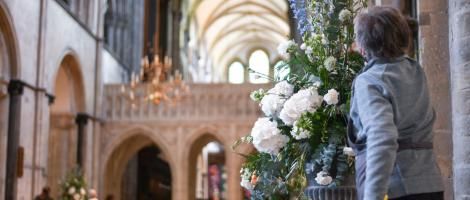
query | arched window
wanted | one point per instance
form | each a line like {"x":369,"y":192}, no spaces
{"x":281,"y":71}
{"x":236,"y":73}
{"x":259,"y":63}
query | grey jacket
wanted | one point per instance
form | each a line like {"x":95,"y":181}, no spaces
{"x":390,"y":104}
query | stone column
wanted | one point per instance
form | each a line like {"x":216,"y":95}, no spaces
{"x":434,"y":58}
{"x":81,"y":120}
{"x":459,"y":24}
{"x":15,"y":90}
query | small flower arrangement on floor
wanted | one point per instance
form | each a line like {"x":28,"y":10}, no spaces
{"x":301,"y":139}
{"x":74,"y":186}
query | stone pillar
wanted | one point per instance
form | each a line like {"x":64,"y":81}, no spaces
{"x":15,"y":90}
{"x":434,"y":58}
{"x":234,"y":162}
{"x":81,"y":120}
{"x":459,"y":24}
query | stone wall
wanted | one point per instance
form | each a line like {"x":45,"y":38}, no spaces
{"x":434,"y":58}
{"x":459,"y":24}
{"x":43,"y":33}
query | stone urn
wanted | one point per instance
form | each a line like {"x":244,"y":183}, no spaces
{"x":314,"y":191}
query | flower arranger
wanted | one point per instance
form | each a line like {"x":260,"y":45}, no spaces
{"x":274,"y":99}
{"x":332,"y":97}
{"x":306,"y":100}
{"x":267,"y":138}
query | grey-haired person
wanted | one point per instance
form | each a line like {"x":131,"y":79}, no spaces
{"x":391,"y":117}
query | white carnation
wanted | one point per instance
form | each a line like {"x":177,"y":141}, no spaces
{"x":284,"y":88}
{"x":274,"y":99}
{"x":246,"y":184}
{"x":283,"y":48}
{"x":344,"y":15}
{"x":309,"y":50}
{"x":348,"y":151}
{"x":299,"y":133}
{"x":72,"y":190}
{"x":267,"y":137}
{"x":331,"y":98}
{"x":306,"y":100}
{"x":330,"y":63}
{"x":323,"y":178}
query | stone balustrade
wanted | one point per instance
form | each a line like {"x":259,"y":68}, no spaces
{"x":206,"y":102}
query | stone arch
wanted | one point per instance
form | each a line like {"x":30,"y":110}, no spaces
{"x":70,"y":98}
{"x":9,"y":69}
{"x":121,"y":149}
{"x":196,"y":142}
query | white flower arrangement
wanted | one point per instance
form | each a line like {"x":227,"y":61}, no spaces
{"x":344,"y":15}
{"x":299,"y":133}
{"x":306,"y":100}
{"x":330,"y":63}
{"x":323,"y":178}
{"x":267,"y":137}
{"x":274,"y":99}
{"x":331,"y":98}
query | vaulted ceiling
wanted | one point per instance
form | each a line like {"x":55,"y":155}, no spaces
{"x":229,"y":30}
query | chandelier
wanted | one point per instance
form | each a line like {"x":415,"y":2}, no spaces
{"x":157,"y":83}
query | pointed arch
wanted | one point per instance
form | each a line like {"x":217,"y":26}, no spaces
{"x":121,"y":149}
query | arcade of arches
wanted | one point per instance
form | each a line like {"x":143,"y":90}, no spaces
{"x":62,"y":67}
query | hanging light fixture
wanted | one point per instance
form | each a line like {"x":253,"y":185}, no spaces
{"x":159,"y":85}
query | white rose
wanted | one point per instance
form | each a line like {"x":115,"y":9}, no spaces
{"x":348,"y":151}
{"x":72,"y":190}
{"x":306,"y":100}
{"x":274,"y":99}
{"x":283,"y":48}
{"x":330,"y":63}
{"x":331,"y":98}
{"x":323,"y":178}
{"x":76,"y":196}
{"x":82,"y":191}
{"x":344,"y":15}
{"x":299,"y":133}
{"x":267,"y":137}
{"x":246,"y":184}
